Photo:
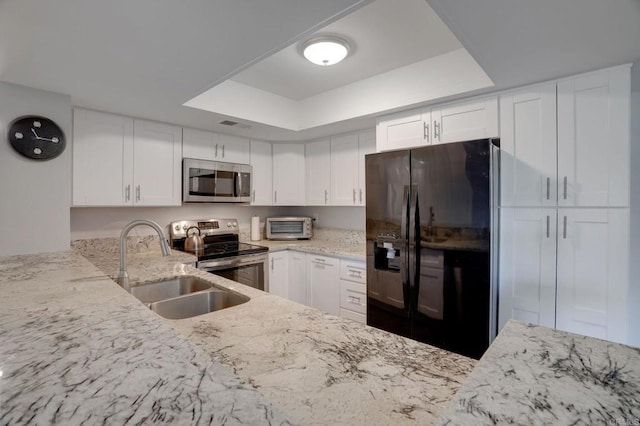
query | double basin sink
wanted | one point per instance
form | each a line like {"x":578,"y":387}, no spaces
{"x":185,"y":297}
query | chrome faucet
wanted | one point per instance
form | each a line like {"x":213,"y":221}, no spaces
{"x":123,"y":276}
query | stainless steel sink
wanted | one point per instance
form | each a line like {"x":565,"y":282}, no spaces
{"x":167,"y":289}
{"x":195,"y":304}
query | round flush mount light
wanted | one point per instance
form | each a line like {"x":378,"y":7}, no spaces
{"x":325,"y":50}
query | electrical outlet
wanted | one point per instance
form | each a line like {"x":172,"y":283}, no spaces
{"x":316,"y":218}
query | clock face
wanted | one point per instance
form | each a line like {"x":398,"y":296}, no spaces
{"x":36,"y":137}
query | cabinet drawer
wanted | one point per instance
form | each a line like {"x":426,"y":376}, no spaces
{"x":353,"y":296}
{"x":353,"y":271}
{"x":354,"y":316}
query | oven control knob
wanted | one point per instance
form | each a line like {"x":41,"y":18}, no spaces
{"x":184,"y":227}
{"x":177,"y":228}
{"x":228,"y":224}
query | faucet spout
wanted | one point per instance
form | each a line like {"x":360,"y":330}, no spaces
{"x":123,"y":276}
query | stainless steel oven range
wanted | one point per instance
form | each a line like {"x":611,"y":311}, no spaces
{"x":222,"y":253}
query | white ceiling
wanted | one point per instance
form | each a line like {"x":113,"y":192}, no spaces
{"x":383,"y":35}
{"x":146,"y":58}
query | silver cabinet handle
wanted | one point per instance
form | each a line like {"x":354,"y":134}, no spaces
{"x":425,"y":131}
{"x":360,"y":195}
{"x":138,"y":193}
{"x":319,"y":260}
{"x":275,"y":196}
{"x":548,"y":188}
{"x":354,"y":196}
{"x":436,"y":129}
{"x":548,"y":223}
{"x":215,"y":154}
{"x":127,"y":193}
{"x":223,"y":151}
{"x":564,"y":231}
{"x":565,"y":187}
{"x":325,"y":196}
{"x":253,"y":196}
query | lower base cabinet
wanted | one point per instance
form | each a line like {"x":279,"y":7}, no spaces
{"x":336,"y":286}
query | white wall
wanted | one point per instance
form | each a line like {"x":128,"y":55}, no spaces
{"x":335,"y":217}
{"x":34,"y":195}
{"x":634,"y":273}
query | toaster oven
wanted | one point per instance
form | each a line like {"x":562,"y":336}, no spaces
{"x":289,"y":228}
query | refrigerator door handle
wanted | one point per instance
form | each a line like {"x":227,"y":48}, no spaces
{"x":403,"y":236}
{"x":412,"y":242}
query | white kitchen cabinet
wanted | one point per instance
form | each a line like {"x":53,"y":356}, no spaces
{"x":593,"y":262}
{"x":157,"y":158}
{"x":348,"y":167}
{"x":469,"y":120}
{"x":460,"y":121}
{"x":234,"y":149}
{"x":527,"y":266}
{"x":298,"y":282}
{"x":102,"y":159}
{"x":279,"y":273}
{"x":406,"y":129}
{"x":528,"y":147}
{"x":212,"y":146}
{"x":262,"y":181}
{"x":353,"y":290}
{"x":288,"y":174}
{"x":593,"y":139}
{"x":324,"y":283}
{"x":581,"y":288}
{"x":318,"y":164}
{"x":119,"y":161}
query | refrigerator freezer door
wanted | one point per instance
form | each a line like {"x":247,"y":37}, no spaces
{"x":387,"y":193}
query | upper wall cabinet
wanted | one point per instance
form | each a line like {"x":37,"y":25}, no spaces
{"x":593,"y":139}
{"x":318,"y":164}
{"x":347,"y":167}
{"x":456,"y":122}
{"x":262,"y":185}
{"x":288,"y":174}
{"x":212,"y":146}
{"x":119,"y":161}
{"x":528,"y":147}
{"x":587,"y":164}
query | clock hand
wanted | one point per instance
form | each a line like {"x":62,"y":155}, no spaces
{"x":35,"y":134}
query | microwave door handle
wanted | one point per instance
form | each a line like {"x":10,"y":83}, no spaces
{"x":238,"y":183}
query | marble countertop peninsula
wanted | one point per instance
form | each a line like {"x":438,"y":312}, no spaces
{"x":318,"y":368}
{"x":534,"y":375}
{"x":77,"y":349}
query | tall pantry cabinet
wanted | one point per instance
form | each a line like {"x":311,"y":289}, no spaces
{"x":564,"y":233}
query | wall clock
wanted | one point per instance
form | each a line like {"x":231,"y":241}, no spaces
{"x":36,"y":137}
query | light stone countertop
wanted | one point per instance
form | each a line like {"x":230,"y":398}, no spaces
{"x":77,"y":349}
{"x":534,"y":375}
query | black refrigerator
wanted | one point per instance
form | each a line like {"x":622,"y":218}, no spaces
{"x":431,"y":245}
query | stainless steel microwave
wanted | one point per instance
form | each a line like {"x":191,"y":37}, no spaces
{"x":206,"y":181}
{"x":289,"y":228}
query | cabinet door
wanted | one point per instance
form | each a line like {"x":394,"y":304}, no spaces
{"x":366,"y":145}
{"x":324,"y":283}
{"x":528,"y":147}
{"x":593,"y":140}
{"x":279,"y":274}
{"x":593,"y":260}
{"x":298,"y":282}
{"x":465,"y":121}
{"x":527,"y":266}
{"x":344,"y":170}
{"x":406,"y":129}
{"x":318,"y":158}
{"x":102,"y":159}
{"x":200,"y":144}
{"x":157,"y":157}
{"x":261,"y":161}
{"x":233,"y":149}
{"x":288,"y":174}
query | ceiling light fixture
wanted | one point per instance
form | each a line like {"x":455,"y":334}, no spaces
{"x":325,"y":50}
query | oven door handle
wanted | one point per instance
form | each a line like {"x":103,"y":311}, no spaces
{"x":235,"y":261}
